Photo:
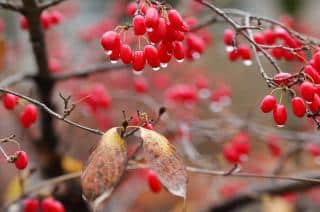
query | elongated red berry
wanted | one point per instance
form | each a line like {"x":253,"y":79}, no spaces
{"x":45,"y":19}
{"x":307,"y":91}
{"x":140,"y":85}
{"x":298,"y":106}
{"x":313,"y":149}
{"x":241,"y":143}
{"x":175,"y":19}
{"x":312,"y":72}
{"x":259,"y":38}
{"x":21,"y":161}
{"x":269,"y":36}
{"x":10,"y":101}
{"x":131,"y":9}
{"x":55,"y":17}
{"x":152,"y":56}
{"x":126,"y":54}
{"x":233,"y":55}
{"x":149,"y":126}
{"x":195,"y":43}
{"x":49,"y":205}
{"x":110,"y":40}
{"x":151,"y":18}
{"x":158,"y":32}
{"x":268,"y":103}
{"x":178,"y":51}
{"x":282,"y":78}
{"x":315,"y":104}
{"x":231,"y":154}
{"x":139,"y":25}
{"x":280,"y":114}
{"x":31,"y":205}
{"x":274,"y":147}
{"x":228,"y":37}
{"x":28,"y":116}
{"x":244,"y":52}
{"x":138,"y":60}
{"x":154,"y":183}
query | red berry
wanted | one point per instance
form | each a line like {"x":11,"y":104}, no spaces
{"x":45,"y":20}
{"x":21,"y":161}
{"x":50,"y":205}
{"x":228,"y":37}
{"x":138,"y":60}
{"x":131,"y":9}
{"x":315,"y":104}
{"x":149,"y":126}
{"x":259,"y":38}
{"x":231,"y":154}
{"x":23,"y":23}
{"x":178,"y":51}
{"x":55,"y":17}
{"x":307,"y":91}
{"x":28,"y":116}
{"x":115,"y":55}
{"x":280,"y":114}
{"x":269,"y":36}
{"x":298,"y":106}
{"x":241,"y":143}
{"x":154,"y":183}
{"x":268,"y":103}
{"x":164,"y":51}
{"x":151,"y":18}
{"x":313,"y":149}
{"x":195,"y":43}
{"x":152,"y":56}
{"x":277,"y":53}
{"x":10,"y":101}
{"x":139,"y":26}
{"x":110,"y":40}
{"x":175,"y":19}
{"x":274,"y":147}
{"x":282,"y":78}
{"x":244,"y":52}
{"x":316,"y":58}
{"x":233,"y":55}
{"x":158,"y":32}
{"x":140,"y":85}
{"x":31,"y":205}
{"x":312,"y":72}
{"x":126,"y":54}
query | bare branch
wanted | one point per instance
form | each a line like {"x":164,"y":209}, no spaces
{"x":89,"y":71}
{"x":51,"y":112}
{"x":51,"y":3}
{"x":14,"y":79}
{"x":12,"y":7}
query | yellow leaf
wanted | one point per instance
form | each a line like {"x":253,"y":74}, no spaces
{"x":105,"y":167}
{"x":165,"y":161}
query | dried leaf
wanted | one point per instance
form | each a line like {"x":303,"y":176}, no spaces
{"x":105,"y":167}
{"x":165,"y":161}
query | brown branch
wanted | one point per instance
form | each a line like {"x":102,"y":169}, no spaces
{"x":51,"y":3}
{"x":12,"y":7}
{"x":96,"y":69}
{"x":253,"y":193}
{"x":14,"y":79}
{"x":51,"y":112}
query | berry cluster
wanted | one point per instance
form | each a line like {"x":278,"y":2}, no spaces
{"x":48,"y":204}
{"x":165,"y":32}
{"x":48,"y":19}
{"x":235,"y":52}
{"x":238,"y":148}
{"x":309,"y":95}
{"x":95,"y":98}
{"x":28,"y":116}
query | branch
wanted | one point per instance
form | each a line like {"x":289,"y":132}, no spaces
{"x":52,"y":3}
{"x":51,"y":112}
{"x":105,"y":67}
{"x":14,"y":79}
{"x":254,"y":192}
{"x":8,"y":6}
